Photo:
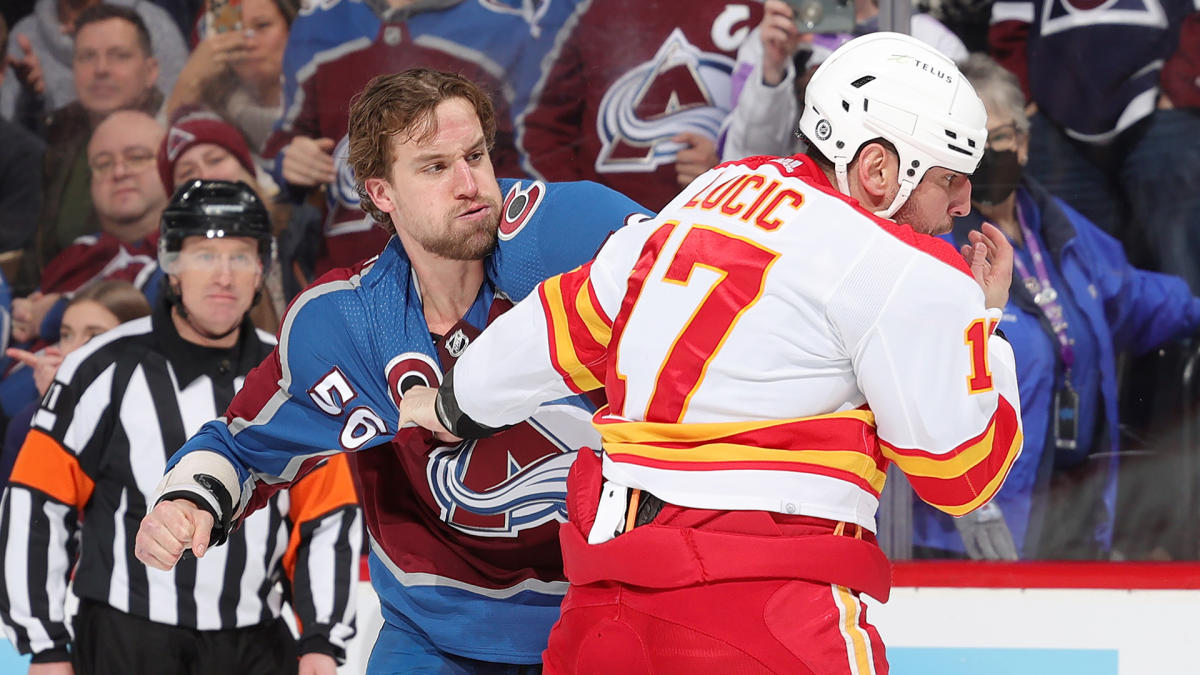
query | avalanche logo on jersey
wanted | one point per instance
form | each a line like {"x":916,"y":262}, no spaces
{"x":519,"y":206}
{"x":681,"y":89}
{"x":411,"y":369}
{"x":1063,"y":15}
{"x":499,"y":486}
{"x":530,"y":10}
{"x":344,"y":192}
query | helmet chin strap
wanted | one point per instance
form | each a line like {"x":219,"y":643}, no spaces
{"x":906,"y":189}
{"x":840,"y":167}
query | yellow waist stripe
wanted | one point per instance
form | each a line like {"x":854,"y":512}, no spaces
{"x":850,"y":461}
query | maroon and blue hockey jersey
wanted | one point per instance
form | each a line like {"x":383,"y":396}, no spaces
{"x":463,"y":536}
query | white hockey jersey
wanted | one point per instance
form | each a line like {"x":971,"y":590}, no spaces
{"x":767,"y":344}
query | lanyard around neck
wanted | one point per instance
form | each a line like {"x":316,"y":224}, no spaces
{"x":1042,"y":290}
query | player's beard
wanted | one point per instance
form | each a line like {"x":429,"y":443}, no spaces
{"x":474,"y":241}
{"x":908,"y":214}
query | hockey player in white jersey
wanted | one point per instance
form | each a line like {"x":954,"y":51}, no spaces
{"x":782,"y":332}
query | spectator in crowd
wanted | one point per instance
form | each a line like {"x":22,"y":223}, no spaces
{"x":642,"y":117}
{"x":20,"y":178}
{"x":94,"y":310}
{"x":775,"y":61}
{"x":129,"y":198}
{"x":199,"y":144}
{"x":1075,"y":305}
{"x":334,"y":49}
{"x":1116,"y":88}
{"x":42,"y":54}
{"x":116,"y":410}
{"x":114,"y":70}
{"x":239,"y":73}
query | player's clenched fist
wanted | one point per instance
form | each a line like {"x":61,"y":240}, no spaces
{"x":173,"y":527}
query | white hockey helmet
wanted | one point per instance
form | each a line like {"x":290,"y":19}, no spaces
{"x":895,"y":87}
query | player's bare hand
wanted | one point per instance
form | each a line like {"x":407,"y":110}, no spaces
{"x":53,"y":668}
{"x":308,"y":162}
{"x":990,"y":257}
{"x":317,"y":664}
{"x":418,"y":408}
{"x":780,"y":40}
{"x":28,"y":67}
{"x":699,"y":156}
{"x":171,"y":528}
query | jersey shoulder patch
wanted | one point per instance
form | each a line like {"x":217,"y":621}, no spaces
{"x":520,"y":204}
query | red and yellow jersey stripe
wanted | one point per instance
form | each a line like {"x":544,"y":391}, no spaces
{"x":579,"y":331}
{"x":840,"y":445}
{"x":965,"y":478}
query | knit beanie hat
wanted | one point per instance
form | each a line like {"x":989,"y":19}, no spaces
{"x":195,"y":126}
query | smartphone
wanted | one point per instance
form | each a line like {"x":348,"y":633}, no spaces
{"x":823,"y":16}
{"x":223,"y":15}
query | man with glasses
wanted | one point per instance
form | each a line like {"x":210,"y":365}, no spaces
{"x":128,"y":198}
{"x":114,"y":69}
{"x":118,"y":408}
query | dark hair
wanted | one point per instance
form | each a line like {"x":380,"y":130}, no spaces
{"x":121,"y":298}
{"x":404,"y":103}
{"x":288,"y":9}
{"x":104,"y":12}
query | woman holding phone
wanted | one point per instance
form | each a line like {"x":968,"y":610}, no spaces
{"x":237,"y":68}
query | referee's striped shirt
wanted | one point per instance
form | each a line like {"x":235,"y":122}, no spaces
{"x":118,"y":409}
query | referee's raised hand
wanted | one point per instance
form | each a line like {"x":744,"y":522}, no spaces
{"x":173,"y":527}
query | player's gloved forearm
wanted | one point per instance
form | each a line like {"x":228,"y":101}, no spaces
{"x":985,"y":534}
{"x":453,"y":418}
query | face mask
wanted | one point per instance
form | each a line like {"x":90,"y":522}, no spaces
{"x":996,"y":178}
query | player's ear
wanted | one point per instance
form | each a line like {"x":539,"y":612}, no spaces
{"x":875,"y":170}
{"x":380,"y":193}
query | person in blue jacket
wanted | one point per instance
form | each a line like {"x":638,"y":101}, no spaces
{"x":1075,"y":304}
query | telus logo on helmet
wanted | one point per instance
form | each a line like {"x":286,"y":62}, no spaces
{"x":927,"y":67}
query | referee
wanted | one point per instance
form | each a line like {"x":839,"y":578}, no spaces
{"x":118,"y":408}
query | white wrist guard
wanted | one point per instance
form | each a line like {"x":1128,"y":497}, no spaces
{"x":208,"y":480}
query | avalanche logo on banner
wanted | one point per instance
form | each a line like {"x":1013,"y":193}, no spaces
{"x":499,"y":486}
{"x":681,"y":89}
